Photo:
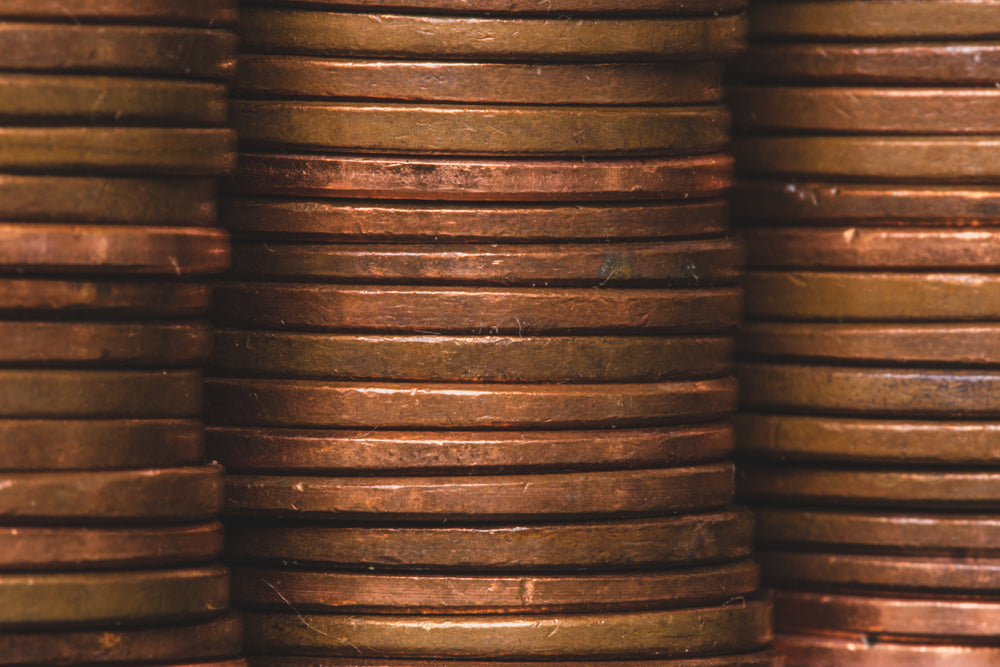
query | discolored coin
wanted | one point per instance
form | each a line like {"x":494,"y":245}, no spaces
{"x":37,"y":296}
{"x":478,"y":310}
{"x":600,"y":545}
{"x":766,"y":658}
{"x":380,"y":177}
{"x":72,"y":548}
{"x":679,"y":7}
{"x":158,"y":494}
{"x":479,"y":82}
{"x":801,"y":650}
{"x":126,"y":596}
{"x":338,"y":591}
{"x":177,"y":12}
{"x":666,"y":633}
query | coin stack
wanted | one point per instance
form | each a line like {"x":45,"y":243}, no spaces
{"x":472,"y":376}
{"x":870,"y":171}
{"x":112,"y":130}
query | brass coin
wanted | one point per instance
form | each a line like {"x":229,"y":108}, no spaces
{"x":127,"y":596}
{"x":176,"y":12}
{"x":617,"y":544}
{"x":409,"y":405}
{"x":484,"y":498}
{"x":666,"y":633}
{"x":159,"y":494}
{"x":456,"y":594}
{"x":903,"y":297}
{"x":137,"y":150}
{"x":766,"y":658}
{"x":31,"y":98}
{"x":482,"y":180}
{"x":31,"y":393}
{"x":800,"y":650}
{"x":339,"y":33}
{"x":498,"y":83}
{"x":679,"y":7}
{"x":77,"y":548}
{"x":215,"y":638}
{"x":479,"y":129}
{"x":314,"y":451}
{"x":183,"y":53}
{"x":25,"y":296}
{"x":369,"y":221}
{"x":479,"y":310}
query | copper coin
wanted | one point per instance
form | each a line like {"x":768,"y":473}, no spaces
{"x":339,"y":33}
{"x":483,"y":179}
{"x":108,"y":344}
{"x":188,"y":53}
{"x":695,"y":631}
{"x":32,"y":247}
{"x":498,"y":83}
{"x":177,"y":12}
{"x":480,"y":130}
{"x":77,"y":548}
{"x":470,"y":358}
{"x":869,"y":391}
{"x":758,"y":659}
{"x":479,"y":310}
{"x":126,"y":596}
{"x":915,"y":488}
{"x":76,"y":297}
{"x":889,"y":296}
{"x":679,"y":7}
{"x":622,"y":543}
{"x":866,"y":110}
{"x":315,"y":451}
{"x":865,"y":439}
{"x":100,"y":393}
{"x":158,"y":494}
{"x":136,"y":150}
{"x":369,"y":221}
{"x":97,"y":444}
{"x":49,"y":98}
{"x":489,"y":498}
{"x":801,"y":650}
{"x":414,"y":405}
{"x":455,"y":594}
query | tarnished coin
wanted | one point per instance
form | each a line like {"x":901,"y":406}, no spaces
{"x":176,"y":12}
{"x":879,"y":297}
{"x":479,"y":82}
{"x":679,"y":7}
{"x":802,"y":650}
{"x":158,"y":494}
{"x":695,"y":631}
{"x":479,"y":310}
{"x":340,"y":33}
{"x":767,"y":658}
{"x":37,"y":296}
{"x":483,"y":498}
{"x":482,"y":179}
{"x":124,"y":596}
{"x":71,"y":548}
{"x":337,"y":591}
{"x":601,"y":545}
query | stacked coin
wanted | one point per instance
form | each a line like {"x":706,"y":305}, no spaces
{"x":111,"y":132}
{"x":472,"y":376}
{"x":870,"y":198}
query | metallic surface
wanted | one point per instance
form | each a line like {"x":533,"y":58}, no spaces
{"x":680,"y":7}
{"x":176,"y":12}
{"x":758,"y":659}
{"x":802,"y":650}
{"x":29,"y":296}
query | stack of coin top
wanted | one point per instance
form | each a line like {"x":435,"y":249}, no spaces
{"x":870,"y":174}
{"x":111,"y":132}
{"x":471,"y":379}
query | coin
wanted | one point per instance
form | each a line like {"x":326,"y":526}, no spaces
{"x":482,"y":180}
{"x":158,"y":494}
{"x":498,"y":83}
{"x":183,"y":12}
{"x":665,"y":633}
{"x":455,"y":594}
{"x":126,"y":596}
{"x":766,"y":658}
{"x":74,"y":548}
{"x":621,"y":543}
{"x":801,"y":650}
{"x":680,"y":7}
{"x":479,"y":310}
{"x":315,"y":451}
{"x":131,"y":299}
{"x":385,"y":35}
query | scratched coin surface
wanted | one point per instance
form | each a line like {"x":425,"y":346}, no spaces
{"x":807,"y":650}
{"x":680,"y":7}
{"x":38,"y":296}
{"x":179,"y":12}
{"x":766,"y":658}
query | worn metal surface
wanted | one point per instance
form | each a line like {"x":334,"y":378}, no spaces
{"x":804,"y":650}
{"x":30,"y":296}
{"x":176,"y":12}
{"x":766,"y":658}
{"x":680,"y":7}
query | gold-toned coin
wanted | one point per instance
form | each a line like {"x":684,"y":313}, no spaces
{"x":679,"y":7}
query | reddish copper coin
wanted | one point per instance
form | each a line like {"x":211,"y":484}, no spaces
{"x":482,"y":179}
{"x":679,"y":7}
{"x":334,"y":591}
{"x":129,"y":299}
{"x":701,"y":262}
{"x":801,"y":650}
{"x":159,"y":494}
{"x":315,"y":451}
{"x":601,"y":545}
{"x":758,"y":659}
{"x":414,"y":405}
{"x":478,"y":310}
{"x":182,"y":12}
{"x":484,"y":498}
{"x":70,"y":548}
